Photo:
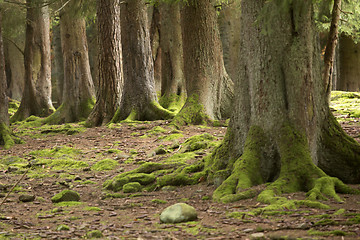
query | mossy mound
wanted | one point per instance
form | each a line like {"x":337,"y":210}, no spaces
{"x":105,"y":164}
{"x":118,"y":182}
{"x":197,"y":142}
{"x":346,"y":104}
{"x":132,"y":187}
{"x":94,"y":234}
{"x":66,"y":196}
{"x":13,"y":106}
{"x":56,"y":152}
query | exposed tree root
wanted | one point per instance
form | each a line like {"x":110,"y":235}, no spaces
{"x":152,"y":111}
{"x":7,"y":138}
{"x":67,"y":113}
{"x":173,"y":103}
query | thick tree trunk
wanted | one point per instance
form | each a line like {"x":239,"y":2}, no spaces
{"x":281,"y":127}
{"x":36,"y":99}
{"x":78,"y":89}
{"x":5,"y":133}
{"x":173,"y":91}
{"x":139,"y":100}
{"x":110,"y":63}
{"x":207,"y":83}
{"x":349,"y":79}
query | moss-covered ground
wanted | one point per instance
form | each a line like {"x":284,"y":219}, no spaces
{"x":159,"y":161}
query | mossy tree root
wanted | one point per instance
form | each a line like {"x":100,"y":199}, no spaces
{"x":297,"y":173}
{"x":191,"y":113}
{"x":153,"y":111}
{"x":173,"y":102}
{"x":7,"y":138}
{"x":67,"y":113}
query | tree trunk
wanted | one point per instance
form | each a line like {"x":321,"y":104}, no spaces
{"x":110,"y":63}
{"x":5,"y":133}
{"x":139,"y":100}
{"x":349,"y":65}
{"x":155,"y":45}
{"x":57,"y":67}
{"x":230,"y":35}
{"x":172,"y":64}
{"x":208,"y":87}
{"x":14,"y":61}
{"x":36,"y":99}
{"x":281,"y":127}
{"x":78,"y":85}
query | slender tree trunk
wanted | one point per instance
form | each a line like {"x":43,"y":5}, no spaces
{"x":5,"y":133}
{"x":228,"y":20}
{"x":14,"y":61}
{"x":78,"y":89}
{"x":281,"y":127}
{"x":36,"y":99}
{"x":58,"y":66}
{"x":349,"y":65}
{"x":173,"y":91}
{"x":208,"y":87}
{"x":155,"y":45}
{"x":110,"y":62}
{"x":139,"y":100}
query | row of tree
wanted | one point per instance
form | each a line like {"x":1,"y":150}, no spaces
{"x":281,"y":128}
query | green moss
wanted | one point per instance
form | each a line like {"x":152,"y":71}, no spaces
{"x":56,"y":152}
{"x":105,"y":164}
{"x":171,"y":137}
{"x":115,"y":195}
{"x":65,"y":196}
{"x":6,"y":138}
{"x":313,"y":232}
{"x":173,"y":102}
{"x":132,"y":187}
{"x":13,"y":107}
{"x":198,"y":142}
{"x":94,"y":234}
{"x":95,"y":209}
{"x":339,"y":212}
{"x":68,"y":204}
{"x":62,"y":227}
{"x":180,"y":158}
{"x":191,"y":113}
{"x":117,"y":183}
{"x":87,"y":182}
{"x":158,"y":201}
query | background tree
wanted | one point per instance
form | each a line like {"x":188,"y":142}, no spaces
{"x":282,"y":127}
{"x":6,"y":138}
{"x":173,"y":91}
{"x":139,"y":100}
{"x":349,"y":58}
{"x":78,"y":86}
{"x":36,"y":97}
{"x":208,"y":87}
{"x":110,"y":64}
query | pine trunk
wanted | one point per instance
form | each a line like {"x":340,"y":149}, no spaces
{"x":139,"y":100}
{"x":349,"y":65}
{"x":281,"y":127}
{"x":110,"y":63}
{"x":172,"y":64}
{"x":207,"y":83}
{"x":78,"y":86}
{"x":36,"y":99}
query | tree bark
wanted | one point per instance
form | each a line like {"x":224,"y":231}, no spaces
{"x":155,"y":44}
{"x":78,"y":89}
{"x":36,"y":99}
{"x":110,"y":63}
{"x":173,"y":91}
{"x":208,"y":87}
{"x":57,"y":67}
{"x":349,"y":65}
{"x":139,"y":100}
{"x":5,"y":133}
{"x":281,"y":130}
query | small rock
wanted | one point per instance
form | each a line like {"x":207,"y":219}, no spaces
{"x":66,"y":196}
{"x":94,"y":234}
{"x":179,"y":212}
{"x":248,"y":230}
{"x":77,"y":178}
{"x":258,"y":236}
{"x":26,"y":198}
{"x":160,"y":151}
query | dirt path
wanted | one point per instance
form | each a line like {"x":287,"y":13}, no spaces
{"x":136,"y":216}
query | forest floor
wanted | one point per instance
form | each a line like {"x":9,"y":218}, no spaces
{"x":54,"y":158}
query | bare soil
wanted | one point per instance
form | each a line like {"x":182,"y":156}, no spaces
{"x":136,"y":216}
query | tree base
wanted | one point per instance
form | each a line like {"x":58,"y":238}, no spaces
{"x":7,"y":138}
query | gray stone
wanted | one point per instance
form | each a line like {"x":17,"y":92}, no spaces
{"x":179,"y":212}
{"x":26,"y":198}
{"x":257,"y":236}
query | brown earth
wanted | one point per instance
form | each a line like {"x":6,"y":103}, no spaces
{"x":136,"y":216}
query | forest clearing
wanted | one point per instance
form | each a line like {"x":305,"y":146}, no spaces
{"x":59,"y":157}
